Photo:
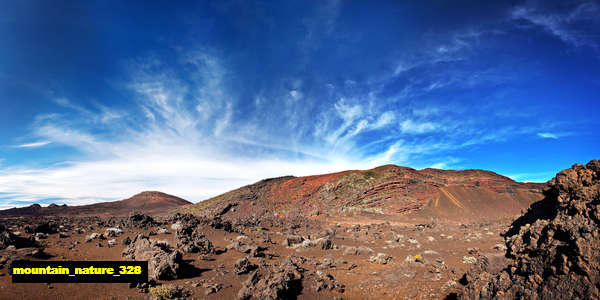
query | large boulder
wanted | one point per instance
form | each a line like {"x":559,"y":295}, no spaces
{"x":191,"y":240}
{"x":46,"y":227}
{"x":243,"y":266}
{"x":163,"y":263}
{"x":244,"y":247}
{"x":554,"y":248}
{"x":278,"y":282}
{"x":140,"y":220}
{"x":7,"y":238}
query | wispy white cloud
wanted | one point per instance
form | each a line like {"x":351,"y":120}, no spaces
{"x":321,"y":23}
{"x":552,"y":135}
{"x":410,"y":126}
{"x":446,"y":163}
{"x":532,"y":177}
{"x":547,"y":135}
{"x":384,"y":119}
{"x":184,"y":140}
{"x":187,"y":135}
{"x":296,"y":95}
{"x":33,"y":145}
{"x":570,"y":24}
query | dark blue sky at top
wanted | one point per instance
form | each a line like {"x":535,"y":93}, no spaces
{"x":506,"y":86}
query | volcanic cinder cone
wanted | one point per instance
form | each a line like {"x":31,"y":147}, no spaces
{"x":554,"y":248}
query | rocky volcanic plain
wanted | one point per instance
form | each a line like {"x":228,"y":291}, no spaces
{"x":386,"y":233}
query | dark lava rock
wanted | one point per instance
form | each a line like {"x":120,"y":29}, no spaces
{"x":327,"y":282}
{"x":282,"y":282}
{"x":139,"y":220}
{"x":162,"y":262}
{"x":9,"y":262}
{"x":324,"y":243}
{"x":189,"y":239}
{"x":240,"y":246}
{"x":291,"y":240}
{"x":7,"y":238}
{"x":554,"y":247}
{"x":32,"y":252}
{"x":212,"y":288}
{"x":46,"y":227}
{"x":189,"y":219}
{"x":126,"y":241}
{"x":243,"y":266}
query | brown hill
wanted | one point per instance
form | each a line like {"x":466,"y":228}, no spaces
{"x":388,"y":191}
{"x":149,"y":202}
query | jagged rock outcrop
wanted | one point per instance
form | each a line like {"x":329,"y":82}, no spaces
{"x":190,"y":239}
{"x":279,"y":282}
{"x":163,"y":263}
{"x":7,"y":238}
{"x":243,"y":266}
{"x":139,"y":220}
{"x":554,"y":248}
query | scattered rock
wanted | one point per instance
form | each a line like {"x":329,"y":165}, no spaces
{"x":324,"y":243}
{"x":32,"y":252}
{"x":94,"y":236}
{"x":176,"y":226}
{"x":412,"y":241}
{"x":126,"y":241}
{"x":469,"y":260}
{"x":113,"y":232}
{"x":358,"y":250}
{"x":292,"y":240}
{"x":327,"y":282}
{"x":212,"y":288}
{"x":380,"y":258}
{"x":450,"y":284}
{"x":253,"y":250}
{"x":499,"y":247}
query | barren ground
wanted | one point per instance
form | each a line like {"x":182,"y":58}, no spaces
{"x":447,"y":251}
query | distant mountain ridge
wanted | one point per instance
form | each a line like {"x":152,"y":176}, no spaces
{"x":388,"y":190}
{"x":149,"y":202}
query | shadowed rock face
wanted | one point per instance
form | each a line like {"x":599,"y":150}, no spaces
{"x":387,"y":190}
{"x":554,"y":248}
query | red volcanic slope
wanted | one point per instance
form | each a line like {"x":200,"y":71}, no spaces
{"x":150,"y":202}
{"x":387,"y":190}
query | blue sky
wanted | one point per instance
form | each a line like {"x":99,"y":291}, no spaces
{"x":103,"y":99}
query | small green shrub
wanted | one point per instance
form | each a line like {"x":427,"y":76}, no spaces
{"x":168,"y":292}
